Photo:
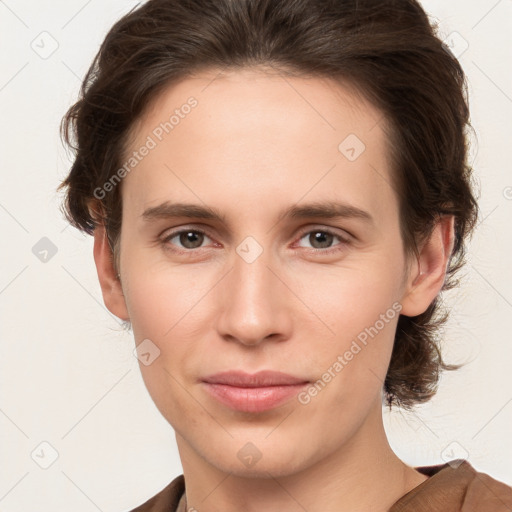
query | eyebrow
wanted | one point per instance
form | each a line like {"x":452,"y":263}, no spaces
{"x":320,"y":210}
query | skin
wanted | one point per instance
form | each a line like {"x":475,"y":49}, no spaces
{"x":257,"y":143}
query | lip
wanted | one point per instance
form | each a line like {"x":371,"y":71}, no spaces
{"x":254,"y":393}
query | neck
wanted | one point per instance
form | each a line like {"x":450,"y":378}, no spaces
{"x":363,"y":474}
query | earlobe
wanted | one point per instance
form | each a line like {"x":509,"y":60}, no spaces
{"x":107,"y":275}
{"x":428,"y":275}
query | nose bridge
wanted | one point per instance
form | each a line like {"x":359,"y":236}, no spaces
{"x":250,"y":264}
{"x":252,"y":306}
{"x":252,"y":276}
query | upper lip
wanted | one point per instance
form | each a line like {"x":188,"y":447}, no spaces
{"x":263,"y":378}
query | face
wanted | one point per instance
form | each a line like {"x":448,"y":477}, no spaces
{"x":269,"y":279}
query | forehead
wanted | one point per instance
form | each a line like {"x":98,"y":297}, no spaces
{"x":242,"y":137}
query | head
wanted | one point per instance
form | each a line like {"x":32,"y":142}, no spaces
{"x":248,"y":110}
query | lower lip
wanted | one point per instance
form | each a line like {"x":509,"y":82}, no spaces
{"x":253,"y":399}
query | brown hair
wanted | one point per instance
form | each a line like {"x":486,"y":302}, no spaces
{"x":388,"y":49}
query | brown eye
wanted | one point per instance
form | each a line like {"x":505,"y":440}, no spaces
{"x":322,"y":239}
{"x":186,"y":239}
{"x":191,"y":239}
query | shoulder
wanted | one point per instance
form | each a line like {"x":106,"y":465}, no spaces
{"x":486,"y":493}
{"x":456,"y":486}
{"x":166,"y":500}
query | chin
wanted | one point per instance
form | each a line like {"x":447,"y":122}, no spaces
{"x":263,"y":468}
{"x":257,"y":458}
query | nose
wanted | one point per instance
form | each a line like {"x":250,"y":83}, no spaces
{"x":254,"y":302}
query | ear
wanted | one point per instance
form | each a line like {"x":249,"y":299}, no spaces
{"x":109,"y":282}
{"x":427,"y":275}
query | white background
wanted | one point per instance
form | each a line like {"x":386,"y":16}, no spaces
{"x":68,"y":375}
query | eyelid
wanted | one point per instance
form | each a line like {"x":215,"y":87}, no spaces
{"x":340,"y":233}
{"x":167,"y":235}
{"x":344,"y":238}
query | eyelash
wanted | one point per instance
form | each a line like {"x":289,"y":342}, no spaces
{"x":338,"y":247}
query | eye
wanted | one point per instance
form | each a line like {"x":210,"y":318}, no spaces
{"x":322,"y":239}
{"x":188,"y":238}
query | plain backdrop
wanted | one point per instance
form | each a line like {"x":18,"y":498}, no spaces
{"x":78,"y":429}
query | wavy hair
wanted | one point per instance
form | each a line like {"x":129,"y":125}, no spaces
{"x":389,"y":50}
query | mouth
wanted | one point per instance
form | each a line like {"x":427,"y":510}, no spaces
{"x":255,"y":393}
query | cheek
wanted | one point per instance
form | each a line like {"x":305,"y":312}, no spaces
{"x":350,"y":376}
{"x":361,"y":310}
{"x":350,"y":298}
{"x":160,"y":300}
{"x":162,"y":311}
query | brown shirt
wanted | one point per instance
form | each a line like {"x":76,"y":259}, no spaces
{"x":452,"y":487}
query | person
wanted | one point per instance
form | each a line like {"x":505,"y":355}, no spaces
{"x":279,"y":192}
